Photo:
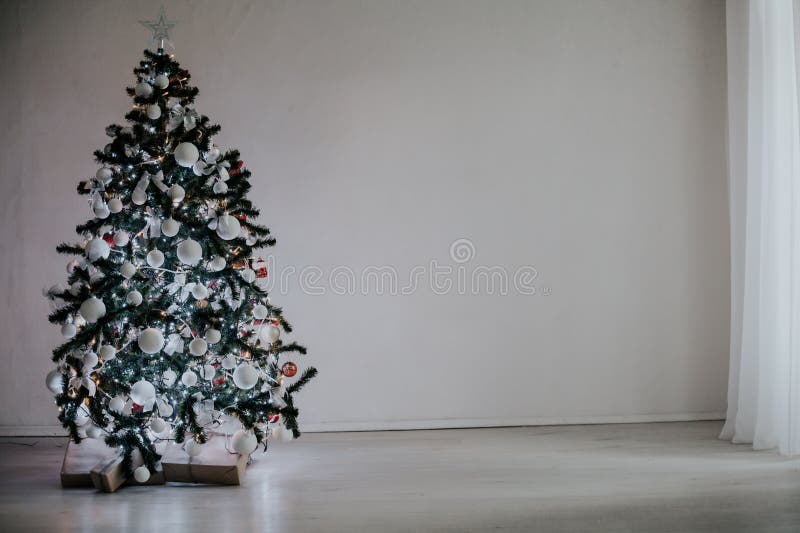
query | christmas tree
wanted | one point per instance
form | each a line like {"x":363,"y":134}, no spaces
{"x":170,"y":331}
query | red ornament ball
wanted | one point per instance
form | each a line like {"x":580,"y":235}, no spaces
{"x":109,"y":238}
{"x":274,"y":418}
{"x":289,"y":369}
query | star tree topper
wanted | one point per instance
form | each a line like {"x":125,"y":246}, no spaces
{"x":160,"y":28}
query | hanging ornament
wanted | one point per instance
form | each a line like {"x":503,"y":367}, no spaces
{"x":237,"y":167}
{"x":199,"y":291}
{"x":155,"y":258}
{"x":128,"y":270}
{"x":143,"y":392}
{"x":228,"y":227}
{"x":245,"y":376}
{"x":157,"y":425}
{"x":161,"y":81}
{"x":115,"y":205}
{"x":229,"y":362}
{"x":150,"y":341}
{"x":176,"y":193}
{"x":92,"y":309}
{"x":189,"y":378}
{"x":220,"y":187}
{"x":260,"y":312}
{"x":90,"y":360}
{"x":186,"y":154}
{"x":260,"y":268}
{"x":190,"y":252}
{"x":134,"y":298}
{"x":269,"y":334}
{"x":55,"y":381}
{"x":96,"y":249}
{"x":213,"y":336}
{"x":143,"y":89}
{"x":107,"y":352}
{"x":138,"y":197}
{"x":116,"y":404}
{"x":208,"y":372}
{"x":168,"y":378}
{"x":248,"y":274}
{"x":68,"y":330}
{"x":244,"y":442}
{"x":289,"y":369}
{"x":170,"y":227}
{"x":101,"y":210}
{"x":216,"y":264}
{"x":198,"y":347}
{"x":185,"y":116}
{"x":121,"y":238}
{"x":104,"y":174}
{"x":153,"y":112}
{"x":141,"y":474}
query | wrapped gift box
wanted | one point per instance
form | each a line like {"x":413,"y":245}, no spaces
{"x":214,"y":464}
{"x":79,"y":459}
{"x":108,"y":476}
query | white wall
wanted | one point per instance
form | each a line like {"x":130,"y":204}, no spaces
{"x":583,"y":138}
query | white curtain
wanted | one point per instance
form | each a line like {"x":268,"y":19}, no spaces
{"x":764,"y":170}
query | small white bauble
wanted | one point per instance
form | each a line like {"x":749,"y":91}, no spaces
{"x":198,"y":347}
{"x":92,"y":309}
{"x":186,"y":154}
{"x":138,"y":196}
{"x":155,"y":258}
{"x":94,"y":432}
{"x":161,"y":81}
{"x":153,"y":112}
{"x":213,"y":336}
{"x":157,"y":425}
{"x":244,"y":442}
{"x":143,"y":89}
{"x":216,"y":264}
{"x":68,"y":330}
{"x":228,"y":227}
{"x":229,"y":362}
{"x":81,"y":417}
{"x":245,"y":376}
{"x":143,"y":392}
{"x":116,"y":404}
{"x":220,"y":187}
{"x":260,"y":312}
{"x":115,"y":205}
{"x":90,"y":360}
{"x":96,"y":249}
{"x":55,"y":381}
{"x":248,"y":274}
{"x":164,"y":409}
{"x":168,"y":377}
{"x":134,"y":298}
{"x":104,"y":174}
{"x":127,"y":270}
{"x":170,"y":227}
{"x":269,"y":334}
{"x":151,"y":340}
{"x":189,"y":378}
{"x":190,"y":252}
{"x":107,"y":352}
{"x":101,"y":211}
{"x":193,"y":448}
{"x":176,"y":193}
{"x":141,"y":474}
{"x":209,"y":372}
{"x":199,"y":291}
{"x":121,"y":238}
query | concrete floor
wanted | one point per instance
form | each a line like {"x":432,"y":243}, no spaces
{"x":674,"y":477}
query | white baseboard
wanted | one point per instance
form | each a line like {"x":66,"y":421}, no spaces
{"x":442,"y":423}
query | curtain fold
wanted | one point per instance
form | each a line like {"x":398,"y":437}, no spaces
{"x":764,"y":174}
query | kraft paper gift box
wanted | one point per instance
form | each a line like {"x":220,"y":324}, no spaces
{"x":79,"y":459}
{"x":214,"y":464}
{"x":108,"y":476}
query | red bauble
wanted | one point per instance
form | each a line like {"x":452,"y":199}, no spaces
{"x":136,"y":407}
{"x":109,"y":239}
{"x":273,"y":418}
{"x":218,"y":381}
{"x":289,"y":369}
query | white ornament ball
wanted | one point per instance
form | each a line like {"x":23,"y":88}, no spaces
{"x":141,"y":474}
{"x":153,"y":112}
{"x":199,"y":291}
{"x":213,"y":336}
{"x":190,"y":252}
{"x":138,"y":196}
{"x":170,"y":227}
{"x":90,"y":360}
{"x":143,"y":392}
{"x":186,"y":154}
{"x":151,"y":340}
{"x":101,"y":210}
{"x":168,"y":378}
{"x":94,"y":432}
{"x":55,"y":381}
{"x":244,"y":442}
{"x":161,"y":81}
{"x":269,"y":334}
{"x":157,"y":425}
{"x":116,"y":404}
{"x":81,"y":417}
{"x":68,"y":330}
{"x":245,"y":376}
{"x":143,"y":89}
{"x":228,"y":227}
{"x":189,"y":378}
{"x":176,"y":193}
{"x":216,"y":264}
{"x":155,"y":258}
{"x":96,"y":249}
{"x":115,"y":205}
{"x":229,"y":362}
{"x":92,"y":309}
{"x":248,"y":274}
{"x":209,"y":371}
{"x":121,"y":238}
{"x":104,"y":174}
{"x":260,"y":312}
{"x":220,"y":187}
{"x":134,"y":298}
{"x":107,"y":352}
{"x":198,"y":347}
{"x":164,"y":408}
{"x":128,"y":270}
{"x":193,"y":448}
